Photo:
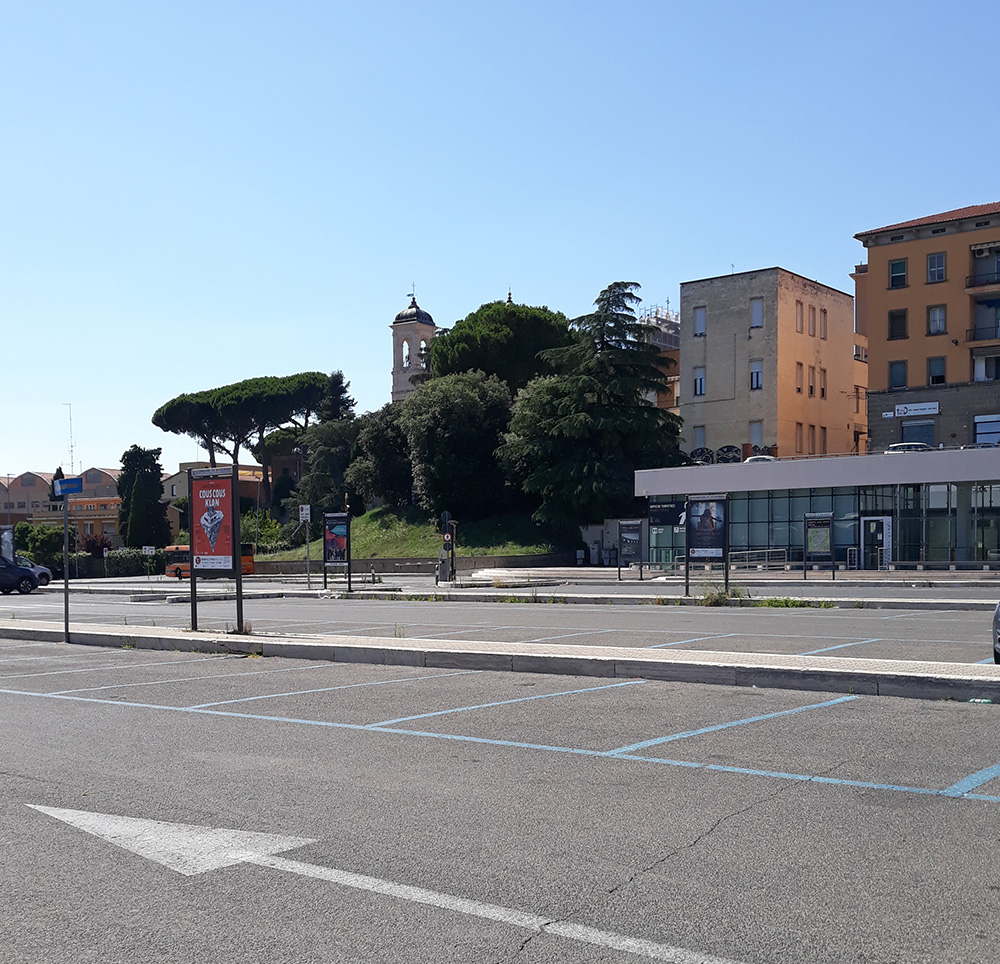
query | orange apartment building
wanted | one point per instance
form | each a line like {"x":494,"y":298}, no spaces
{"x":770,"y":364}
{"x":929,"y":301}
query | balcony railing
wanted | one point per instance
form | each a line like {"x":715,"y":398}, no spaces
{"x":981,"y":280}
{"x":983,"y":333}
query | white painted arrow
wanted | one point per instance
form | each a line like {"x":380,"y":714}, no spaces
{"x":190,"y":849}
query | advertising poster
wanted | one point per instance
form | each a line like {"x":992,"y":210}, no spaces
{"x":818,"y":537}
{"x":629,"y":542}
{"x":706,"y":528}
{"x":335,"y":539}
{"x":212,"y":524}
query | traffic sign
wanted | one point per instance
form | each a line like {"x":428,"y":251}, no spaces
{"x":69,"y":486}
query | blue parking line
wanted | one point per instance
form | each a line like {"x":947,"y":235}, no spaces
{"x":954,"y":792}
{"x":329,"y":689}
{"x":696,"y":639}
{"x":827,"y":649}
{"x":972,"y":781}
{"x":622,"y":750}
{"x":520,"y":699}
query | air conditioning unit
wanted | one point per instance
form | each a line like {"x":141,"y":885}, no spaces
{"x":982,"y":252}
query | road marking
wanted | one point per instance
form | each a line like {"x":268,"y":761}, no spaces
{"x":696,"y":639}
{"x":462,"y":738}
{"x":827,"y":649}
{"x":725,"y":726}
{"x":520,"y":699}
{"x":190,"y":679}
{"x":101,"y":669}
{"x":972,"y":781}
{"x":581,"y":632}
{"x":190,"y":849}
{"x":329,"y":689}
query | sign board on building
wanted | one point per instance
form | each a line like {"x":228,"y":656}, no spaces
{"x":666,"y":513}
{"x":918,"y":408}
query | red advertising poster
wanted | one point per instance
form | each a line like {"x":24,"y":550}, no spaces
{"x":212,"y":523}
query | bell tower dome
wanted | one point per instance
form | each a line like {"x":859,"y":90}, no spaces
{"x":412,"y":332}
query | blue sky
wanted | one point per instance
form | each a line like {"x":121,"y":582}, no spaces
{"x":196,"y":193}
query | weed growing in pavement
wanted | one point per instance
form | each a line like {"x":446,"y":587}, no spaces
{"x":720,"y":596}
{"x":398,"y":631}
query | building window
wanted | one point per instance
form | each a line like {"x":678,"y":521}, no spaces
{"x":699,"y":381}
{"x":897,"y":273}
{"x":935,"y":371}
{"x":937,"y":320}
{"x":756,"y":374}
{"x":756,"y":312}
{"x":812,"y":322}
{"x":406,"y":355}
{"x":812,"y":439}
{"x":798,"y":377}
{"x":897,"y":374}
{"x":798,"y":317}
{"x":699,"y":436}
{"x":798,"y":437}
{"x":699,"y":323}
{"x":812,"y":381}
{"x":897,"y":325}
{"x":935,"y":268}
{"x":173,"y":491}
{"x":822,"y":440}
{"x":919,"y":430}
{"x":88,"y":528}
{"x":822,"y":323}
{"x":857,"y":399}
{"x":822,"y":383}
{"x":757,"y":434}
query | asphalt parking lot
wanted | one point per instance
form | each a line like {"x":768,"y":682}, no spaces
{"x":957,"y":635}
{"x":457,"y":816}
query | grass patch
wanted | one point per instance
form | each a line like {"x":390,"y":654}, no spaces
{"x":410,"y":534}
{"x":788,"y":603}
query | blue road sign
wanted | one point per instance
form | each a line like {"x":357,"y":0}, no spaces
{"x":68,"y":486}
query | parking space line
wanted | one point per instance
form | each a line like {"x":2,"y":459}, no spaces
{"x":622,"y":750}
{"x":696,"y":639}
{"x":827,"y":649}
{"x":330,"y":689}
{"x":101,"y":669}
{"x":579,"y":632}
{"x":521,"y":699}
{"x":191,"y":679}
{"x":972,"y":781}
{"x":953,"y":792}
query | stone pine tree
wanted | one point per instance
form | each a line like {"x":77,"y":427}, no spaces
{"x":576,"y":438}
{"x":142,"y":516}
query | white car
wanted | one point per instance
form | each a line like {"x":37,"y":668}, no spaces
{"x":908,"y":447}
{"x":760,"y":458}
{"x":43,"y":575}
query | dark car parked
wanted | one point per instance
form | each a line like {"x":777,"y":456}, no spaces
{"x":13,"y":576}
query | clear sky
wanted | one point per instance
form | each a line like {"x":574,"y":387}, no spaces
{"x":194,"y":193}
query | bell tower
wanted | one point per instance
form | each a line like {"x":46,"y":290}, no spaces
{"x":412,"y":333}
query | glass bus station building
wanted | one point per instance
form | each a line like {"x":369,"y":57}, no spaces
{"x":931,"y":509}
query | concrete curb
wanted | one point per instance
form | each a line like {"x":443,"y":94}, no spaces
{"x":876,"y":677}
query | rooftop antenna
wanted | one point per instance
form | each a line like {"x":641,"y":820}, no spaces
{"x":69,"y":405}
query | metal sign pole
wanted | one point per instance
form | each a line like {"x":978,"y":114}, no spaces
{"x":65,"y":568}
{"x":347,"y":509}
{"x":687,"y":549}
{"x":191,"y":575}
{"x":237,"y":547}
{"x":619,"y":560}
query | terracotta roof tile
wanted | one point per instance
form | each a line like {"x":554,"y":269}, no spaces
{"x":974,"y":211}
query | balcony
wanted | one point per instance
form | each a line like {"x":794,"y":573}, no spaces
{"x":985,"y":282}
{"x":989,"y":332}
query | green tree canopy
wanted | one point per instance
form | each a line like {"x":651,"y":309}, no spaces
{"x":381,"y":467}
{"x":576,"y":438}
{"x":502,"y":339}
{"x":453,"y":425}
{"x":142,"y":517}
{"x":329,"y":446}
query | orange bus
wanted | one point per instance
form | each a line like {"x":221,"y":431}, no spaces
{"x":177,"y":560}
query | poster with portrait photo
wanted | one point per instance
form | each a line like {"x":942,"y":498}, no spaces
{"x":706,"y":529}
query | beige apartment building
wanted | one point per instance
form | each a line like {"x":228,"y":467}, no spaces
{"x":770,"y":364}
{"x":929,"y":301}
